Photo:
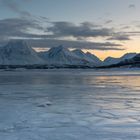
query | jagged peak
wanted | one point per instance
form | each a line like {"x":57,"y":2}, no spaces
{"x":59,"y":48}
{"x":110,"y":58}
{"x":78,"y":51}
{"x":89,"y":53}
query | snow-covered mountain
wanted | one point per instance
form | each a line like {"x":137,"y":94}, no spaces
{"x":129,"y":63}
{"x":135,"y":59}
{"x":18,"y":53}
{"x":111,"y":60}
{"x":63,"y":56}
{"x":90,"y":58}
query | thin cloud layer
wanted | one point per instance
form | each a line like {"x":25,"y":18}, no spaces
{"x":85,"y":29}
{"x":75,"y":44}
{"x":14,"y":6}
{"x":120,"y":37}
{"x":17,"y":27}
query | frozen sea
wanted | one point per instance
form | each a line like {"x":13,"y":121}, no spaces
{"x":70,"y":105}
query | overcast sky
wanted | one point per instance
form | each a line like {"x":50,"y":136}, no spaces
{"x":106,"y":27}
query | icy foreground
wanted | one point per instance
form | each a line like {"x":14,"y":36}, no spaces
{"x":70,"y":105}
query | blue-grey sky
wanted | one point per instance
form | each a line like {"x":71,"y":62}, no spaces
{"x":76,"y":10}
{"x":98,"y":24}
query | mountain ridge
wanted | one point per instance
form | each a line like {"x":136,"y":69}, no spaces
{"x":20,"y":53}
{"x":111,"y":60}
{"x":61,"y":55}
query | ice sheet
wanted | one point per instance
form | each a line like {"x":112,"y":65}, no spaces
{"x":70,"y":105}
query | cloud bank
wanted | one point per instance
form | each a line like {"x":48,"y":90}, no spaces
{"x":21,"y":27}
{"x":85,"y":29}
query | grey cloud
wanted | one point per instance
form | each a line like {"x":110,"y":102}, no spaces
{"x":18,"y":27}
{"x":108,"y":21}
{"x":14,"y":6}
{"x":85,"y":29}
{"x":133,"y":33}
{"x":89,"y":24}
{"x":132,"y":6}
{"x":120,"y":37}
{"x":48,"y":43}
{"x":126,"y":27}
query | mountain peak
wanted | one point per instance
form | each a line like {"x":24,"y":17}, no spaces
{"x":128,"y":55}
{"x":17,"y":52}
{"x":59,"y":48}
{"x":112,"y":60}
{"x":18,"y":46}
{"x":78,"y":51}
{"x":109,"y":58}
{"x":88,"y":53}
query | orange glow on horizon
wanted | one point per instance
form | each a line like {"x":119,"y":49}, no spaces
{"x":131,"y":46}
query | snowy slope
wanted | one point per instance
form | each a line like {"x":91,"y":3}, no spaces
{"x":18,"y":53}
{"x":135,"y":59}
{"x":92,"y":59}
{"x":111,"y":60}
{"x":61,"y":56}
{"x":128,"y":56}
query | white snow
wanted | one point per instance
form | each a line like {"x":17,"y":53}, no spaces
{"x":18,"y":53}
{"x":112,"y":60}
{"x":70,"y":105}
{"x":61,"y":55}
{"x":90,"y":58}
